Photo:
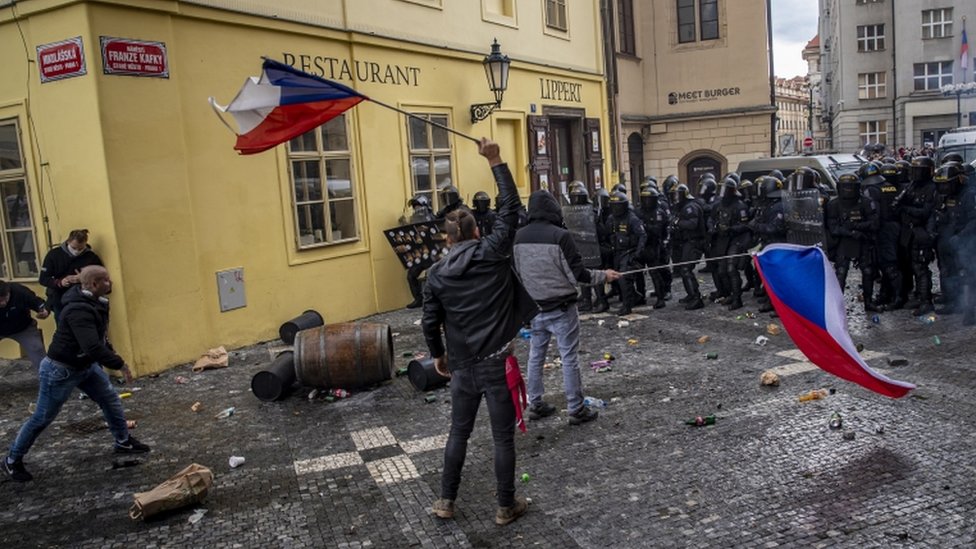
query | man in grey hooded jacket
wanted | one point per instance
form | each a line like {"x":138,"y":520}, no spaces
{"x":550,"y":268}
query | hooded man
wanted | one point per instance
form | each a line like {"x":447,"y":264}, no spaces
{"x":550,"y":267}
{"x":62,"y":265}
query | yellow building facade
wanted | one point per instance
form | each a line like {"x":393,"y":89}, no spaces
{"x":692,"y":86}
{"x":105,"y":125}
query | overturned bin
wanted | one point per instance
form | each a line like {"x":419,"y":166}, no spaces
{"x":304,"y":321}
{"x":344,"y":356}
{"x":276,"y":381}
{"x":423,"y":376}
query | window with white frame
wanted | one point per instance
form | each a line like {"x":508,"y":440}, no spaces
{"x":937,"y":23}
{"x":870,"y":37}
{"x":932,"y":76}
{"x":871,"y":85}
{"x":874,"y":131}
{"x":556,"y":15}
{"x":431,"y":159}
{"x":324,"y":190}
{"x":862,"y":2}
{"x":18,"y":253}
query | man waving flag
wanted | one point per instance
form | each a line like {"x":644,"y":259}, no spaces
{"x":804,"y":290}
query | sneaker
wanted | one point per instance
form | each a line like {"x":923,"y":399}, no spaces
{"x":16,"y":471}
{"x":131,"y":446}
{"x":444,"y":508}
{"x":507,"y":515}
{"x":584,"y":415}
{"x":541,"y":410}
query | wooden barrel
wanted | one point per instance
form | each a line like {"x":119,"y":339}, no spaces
{"x":344,"y":356}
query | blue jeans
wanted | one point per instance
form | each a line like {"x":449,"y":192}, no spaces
{"x":565,"y":326}
{"x":57,"y":382}
{"x":468,"y":385}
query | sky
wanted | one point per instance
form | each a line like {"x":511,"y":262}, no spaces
{"x":794,"y":24}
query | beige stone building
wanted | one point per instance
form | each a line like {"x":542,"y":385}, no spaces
{"x":690,"y":86}
{"x":792,"y":114}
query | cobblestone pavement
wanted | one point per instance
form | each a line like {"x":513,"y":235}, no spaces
{"x":363,"y":471}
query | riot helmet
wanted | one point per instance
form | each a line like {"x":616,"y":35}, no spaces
{"x":923,"y":167}
{"x":950,"y":178}
{"x":649,"y":198}
{"x":577,"y":193}
{"x":680,"y":194}
{"x":619,"y":188}
{"x":650,"y":182}
{"x":849,"y":186}
{"x":778,"y":175}
{"x":707,"y":189}
{"x":733,"y":175}
{"x":729,"y":191}
{"x":419,"y":202}
{"x":449,"y":196}
{"x":890,"y":172}
{"x":747,"y":189}
{"x":601,"y":198}
{"x":619,"y":205}
{"x":804,"y":178}
{"x":952,"y":157}
{"x":770,"y":188}
{"x":888,"y":160}
{"x":870,"y":173}
{"x":670,"y":182}
{"x":904,"y":168}
{"x":481,"y":202}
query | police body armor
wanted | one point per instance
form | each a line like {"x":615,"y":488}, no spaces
{"x":581,"y":224}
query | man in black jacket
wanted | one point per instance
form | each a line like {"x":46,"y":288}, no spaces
{"x":16,"y":304}
{"x":550,"y":267}
{"x":62,"y":265}
{"x":473,"y":294}
{"x":77,"y":353}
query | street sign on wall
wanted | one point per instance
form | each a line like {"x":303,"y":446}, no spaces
{"x":134,"y":57}
{"x":59,"y":60}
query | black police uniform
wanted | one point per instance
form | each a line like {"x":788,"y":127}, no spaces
{"x":687,"y":245}
{"x":628,"y":239}
{"x":852,"y":220}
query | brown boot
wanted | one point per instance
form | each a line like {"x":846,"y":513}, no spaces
{"x":444,"y":508}
{"x":507,"y":515}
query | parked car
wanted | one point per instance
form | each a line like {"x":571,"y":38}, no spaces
{"x":830,"y":166}
{"x":961,"y":141}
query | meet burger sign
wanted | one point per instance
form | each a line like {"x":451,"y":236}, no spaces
{"x":696,"y":96}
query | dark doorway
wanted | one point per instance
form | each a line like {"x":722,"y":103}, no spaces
{"x":635,"y":156}
{"x":699,"y":166}
{"x":563,"y":157}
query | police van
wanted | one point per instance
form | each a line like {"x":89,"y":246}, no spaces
{"x":829,"y":166}
{"x":961,"y":141}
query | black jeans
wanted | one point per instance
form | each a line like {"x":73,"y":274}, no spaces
{"x":468,"y":385}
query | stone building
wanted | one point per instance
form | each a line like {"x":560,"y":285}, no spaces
{"x":884,"y":65}
{"x":792,"y":114}
{"x":821,"y":135}
{"x":691,"y":86}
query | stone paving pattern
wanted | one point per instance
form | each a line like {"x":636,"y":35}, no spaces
{"x":363,"y":471}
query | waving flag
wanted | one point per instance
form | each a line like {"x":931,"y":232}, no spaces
{"x":964,"y":54}
{"x":808,"y":299}
{"x":284,"y":103}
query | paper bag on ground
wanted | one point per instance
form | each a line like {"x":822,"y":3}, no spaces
{"x":187,"y":487}
{"x":214,"y":358}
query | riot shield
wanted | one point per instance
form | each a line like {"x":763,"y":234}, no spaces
{"x":804,"y":217}
{"x":579,"y":220}
{"x":418,"y":244}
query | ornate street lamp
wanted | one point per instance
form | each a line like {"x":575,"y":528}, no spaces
{"x":496,"y":70}
{"x":967,"y":88}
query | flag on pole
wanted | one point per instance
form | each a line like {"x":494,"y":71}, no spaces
{"x":964,"y":54}
{"x":804,"y":291}
{"x":284,"y":103}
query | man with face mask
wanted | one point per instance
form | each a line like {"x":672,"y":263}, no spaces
{"x":483,"y":213}
{"x":61,"y":266}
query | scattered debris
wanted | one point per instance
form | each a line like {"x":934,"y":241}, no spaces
{"x":815,"y":394}
{"x":632,"y":342}
{"x":417,"y":322}
{"x":704,"y":339}
{"x":214,"y":358}
{"x":525,"y":477}
{"x":124,"y":463}
{"x":196,"y":407}
{"x":711,"y":356}
{"x":525,"y":333}
{"x":849,"y":435}
{"x":761,"y":340}
{"x":125,"y":395}
{"x":773,"y":329}
{"x":196,"y":516}
{"x":699,"y":421}
{"x":430,"y":399}
{"x":594,"y":402}
{"x":928,"y":319}
{"x":859,"y":347}
{"x":769,"y":379}
{"x":600,"y":322}
{"x":608,"y":356}
{"x":879,"y":429}
{"x":836,"y":421}
{"x":597,"y":364}
{"x":314,"y":393}
{"x":623,"y":323}
{"x":225,"y":413}
{"x":235,"y":461}
{"x":897,"y":361}
{"x":180,"y":380}
{"x":406,"y":354}
{"x":187,"y":487}
{"x":402,"y":371}
{"x":130,"y":424}
{"x":936,"y":340}
{"x":339,"y":393}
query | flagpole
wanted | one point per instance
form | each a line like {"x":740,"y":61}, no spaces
{"x":428,"y":121}
{"x":707,"y":259}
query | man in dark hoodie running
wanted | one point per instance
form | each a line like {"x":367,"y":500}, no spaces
{"x":550,"y":267}
{"x":75,"y":358}
{"x":62,"y":265}
{"x":474,"y":296}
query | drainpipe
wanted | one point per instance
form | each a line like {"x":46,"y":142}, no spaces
{"x":772,"y":77}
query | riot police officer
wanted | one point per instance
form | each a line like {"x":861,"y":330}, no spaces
{"x":768,"y":224}
{"x":884,"y":192}
{"x":450,"y":200}
{"x":687,"y":242}
{"x":578,"y":198}
{"x":422,"y":213}
{"x":654,"y":215}
{"x":956,"y":226}
{"x":601,"y":215}
{"x":916,"y":204}
{"x":483,"y":213}
{"x":728,"y":226}
{"x":628,"y":240}
{"x":852,"y":219}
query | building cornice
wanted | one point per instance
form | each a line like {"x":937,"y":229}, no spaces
{"x":680,"y":117}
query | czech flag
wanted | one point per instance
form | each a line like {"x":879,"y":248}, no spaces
{"x":964,"y":54}
{"x":282,"y":104}
{"x":808,"y":299}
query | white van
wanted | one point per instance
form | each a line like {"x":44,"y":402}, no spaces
{"x":960,"y":140}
